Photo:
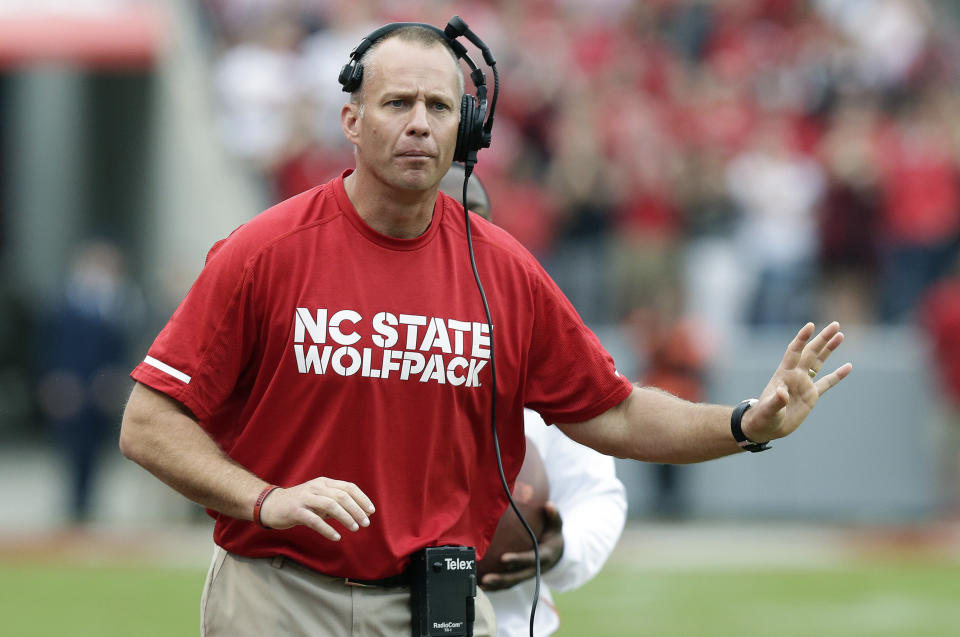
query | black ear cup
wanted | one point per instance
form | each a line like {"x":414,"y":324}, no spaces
{"x":470,"y":133}
{"x":467,"y":108}
{"x":350,"y":76}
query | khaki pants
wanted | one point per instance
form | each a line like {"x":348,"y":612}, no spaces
{"x":246,"y":597}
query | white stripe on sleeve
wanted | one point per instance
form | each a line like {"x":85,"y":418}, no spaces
{"x":163,"y":367}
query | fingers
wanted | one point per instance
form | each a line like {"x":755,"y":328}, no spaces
{"x":519,"y":567}
{"x":550,"y":545}
{"x":833,"y":344}
{"x":796,"y":386}
{"x":552,"y":520}
{"x":522,"y":565}
{"x":350,"y":497}
{"x":765,"y":411}
{"x":348,"y":489}
{"x":500,"y":581}
{"x":828,"y":381}
{"x":791,"y":357}
{"x":820,"y":348}
{"x":513,"y":562}
{"x":811,"y":356}
{"x":316,"y":523}
{"x":551,"y":539}
{"x":339,"y":500}
{"x":336,"y":507}
{"x":312,"y":503}
{"x":512,"y":569}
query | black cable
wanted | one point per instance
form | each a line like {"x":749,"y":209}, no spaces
{"x":488,"y":127}
{"x":468,"y":170}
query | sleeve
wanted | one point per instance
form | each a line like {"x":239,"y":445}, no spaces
{"x":591,"y":500}
{"x":571,"y":377}
{"x":201,"y":352}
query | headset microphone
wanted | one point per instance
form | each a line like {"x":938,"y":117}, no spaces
{"x":456,"y":28}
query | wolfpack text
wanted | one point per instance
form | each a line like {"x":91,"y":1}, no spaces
{"x":409,"y":347}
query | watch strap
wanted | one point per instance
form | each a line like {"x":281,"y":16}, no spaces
{"x":736,"y":419}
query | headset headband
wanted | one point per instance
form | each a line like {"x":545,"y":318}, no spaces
{"x":458,"y":49}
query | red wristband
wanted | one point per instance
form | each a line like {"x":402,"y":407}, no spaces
{"x":259,"y":503}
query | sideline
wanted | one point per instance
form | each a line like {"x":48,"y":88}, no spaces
{"x":644,"y":545}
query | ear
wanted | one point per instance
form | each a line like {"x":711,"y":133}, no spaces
{"x":350,"y":122}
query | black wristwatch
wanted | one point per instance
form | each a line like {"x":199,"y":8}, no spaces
{"x":745,"y":443}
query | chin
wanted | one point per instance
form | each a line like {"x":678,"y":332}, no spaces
{"x":416,"y":180}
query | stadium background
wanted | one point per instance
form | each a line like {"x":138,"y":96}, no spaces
{"x":699,"y":177}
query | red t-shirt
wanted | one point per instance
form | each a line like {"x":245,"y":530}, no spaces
{"x":311,"y":345}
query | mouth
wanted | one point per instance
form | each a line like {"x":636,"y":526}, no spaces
{"x":415,"y":154}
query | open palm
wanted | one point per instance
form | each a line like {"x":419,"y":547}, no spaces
{"x":795,"y":387}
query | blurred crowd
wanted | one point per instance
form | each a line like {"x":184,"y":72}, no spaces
{"x":738,"y":162}
{"x":682,"y":168}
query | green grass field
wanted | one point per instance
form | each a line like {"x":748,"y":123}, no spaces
{"x":45,"y":600}
{"x":875,"y":600}
{"x":882,"y":599}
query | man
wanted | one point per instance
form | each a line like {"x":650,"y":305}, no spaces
{"x":585,"y":516}
{"x":329,"y":372}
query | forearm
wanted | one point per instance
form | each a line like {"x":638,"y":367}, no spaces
{"x":654,"y":426}
{"x":664,"y":428}
{"x":159,"y":435}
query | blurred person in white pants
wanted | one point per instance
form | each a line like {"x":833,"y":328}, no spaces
{"x":592,"y":503}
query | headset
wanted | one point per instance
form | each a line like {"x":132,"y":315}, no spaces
{"x":475,"y":122}
{"x":473,"y":134}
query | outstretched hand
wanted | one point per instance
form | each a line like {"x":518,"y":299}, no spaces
{"x":796,"y":385}
{"x":517,"y":567}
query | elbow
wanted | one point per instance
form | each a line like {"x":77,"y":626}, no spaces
{"x":128,"y":444}
{"x":132,"y":443}
{"x":135,"y":424}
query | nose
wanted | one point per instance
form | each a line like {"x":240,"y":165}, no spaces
{"x":418,"y":126}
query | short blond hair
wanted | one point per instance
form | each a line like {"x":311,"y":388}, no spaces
{"x":413,"y":33}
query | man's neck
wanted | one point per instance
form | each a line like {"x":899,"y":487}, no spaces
{"x":401,"y":214}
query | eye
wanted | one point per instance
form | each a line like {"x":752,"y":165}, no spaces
{"x":398,"y":103}
{"x":440,"y":106}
